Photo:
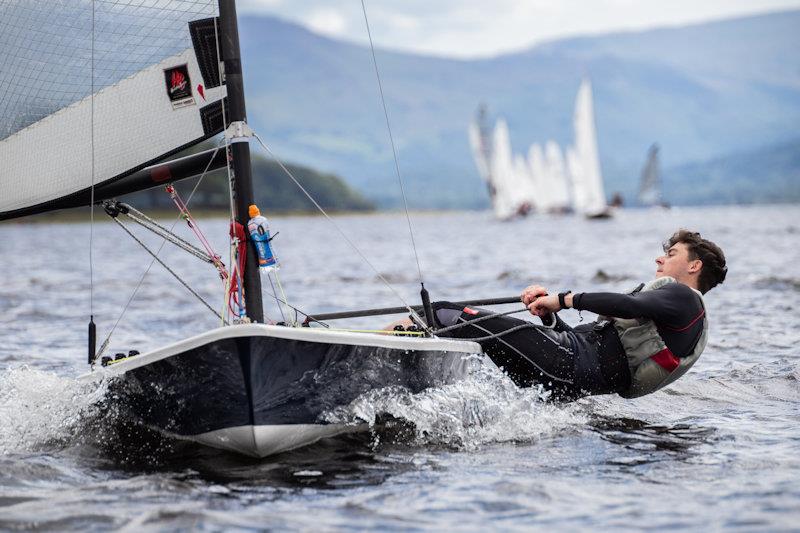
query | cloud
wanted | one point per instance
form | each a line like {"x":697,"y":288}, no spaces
{"x":327,"y":21}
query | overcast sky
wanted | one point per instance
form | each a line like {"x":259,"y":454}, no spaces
{"x":479,"y":28}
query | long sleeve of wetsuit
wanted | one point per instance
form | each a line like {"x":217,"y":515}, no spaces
{"x":674,"y":304}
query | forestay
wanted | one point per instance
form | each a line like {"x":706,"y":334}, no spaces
{"x":95,"y":91}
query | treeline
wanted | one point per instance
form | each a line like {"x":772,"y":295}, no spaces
{"x":274,"y":190}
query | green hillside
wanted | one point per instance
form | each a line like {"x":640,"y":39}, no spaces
{"x":274,"y":190}
{"x":767,"y":175}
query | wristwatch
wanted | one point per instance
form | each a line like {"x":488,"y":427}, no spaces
{"x":561,"y":299}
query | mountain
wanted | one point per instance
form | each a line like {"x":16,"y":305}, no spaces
{"x":766,"y":175}
{"x":702,"y":92}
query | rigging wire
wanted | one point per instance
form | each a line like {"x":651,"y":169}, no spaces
{"x":278,"y":281}
{"x":275,"y":295}
{"x":391,"y":141}
{"x":91,"y":193}
{"x":148,"y":223}
{"x":160,"y":262}
{"x":153,"y":261}
{"x":339,"y":229}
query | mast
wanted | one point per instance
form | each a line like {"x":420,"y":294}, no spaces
{"x":242,"y":174}
{"x":485,"y":138}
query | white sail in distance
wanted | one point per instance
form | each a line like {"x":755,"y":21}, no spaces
{"x":558,"y":189}
{"x":584,"y":162}
{"x":540,"y":178}
{"x":479,"y":152}
{"x":525,"y":192}
{"x":503,"y":173}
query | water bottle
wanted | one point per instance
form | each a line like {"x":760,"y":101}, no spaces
{"x":258,"y":227}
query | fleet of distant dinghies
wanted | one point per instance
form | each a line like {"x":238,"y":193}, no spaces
{"x":547,"y":180}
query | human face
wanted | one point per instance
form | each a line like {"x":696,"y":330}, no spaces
{"x":676,"y":263}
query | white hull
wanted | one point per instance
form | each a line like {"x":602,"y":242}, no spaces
{"x":262,"y":441}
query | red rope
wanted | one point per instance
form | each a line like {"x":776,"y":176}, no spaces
{"x":237,"y":235}
{"x":179,"y":203}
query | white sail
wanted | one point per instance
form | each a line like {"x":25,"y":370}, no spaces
{"x":57,"y":142}
{"x":589,"y":196}
{"x":558,"y":189}
{"x":525,"y":190}
{"x":577,"y":180}
{"x":479,"y":152}
{"x":503,"y":173}
{"x":539,"y":178}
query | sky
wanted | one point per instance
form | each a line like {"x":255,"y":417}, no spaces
{"x":481,"y":28}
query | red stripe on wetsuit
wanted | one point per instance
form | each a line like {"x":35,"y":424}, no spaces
{"x":666,"y":360}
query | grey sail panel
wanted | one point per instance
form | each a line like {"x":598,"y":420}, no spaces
{"x":650,"y":185}
{"x":94,"y":92}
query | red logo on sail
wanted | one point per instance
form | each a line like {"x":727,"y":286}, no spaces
{"x":178,"y":82}
{"x":179,"y":86}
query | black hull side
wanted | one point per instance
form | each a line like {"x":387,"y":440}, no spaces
{"x":265,"y":381}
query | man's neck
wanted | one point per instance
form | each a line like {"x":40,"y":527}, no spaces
{"x":691,"y":281}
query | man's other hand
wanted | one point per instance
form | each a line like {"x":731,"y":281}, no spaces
{"x":531,"y":293}
{"x":544,"y":305}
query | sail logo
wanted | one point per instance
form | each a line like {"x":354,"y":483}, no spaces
{"x":178,"y":82}
{"x":179,"y":86}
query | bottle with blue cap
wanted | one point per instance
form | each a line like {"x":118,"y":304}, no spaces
{"x":258,"y":227}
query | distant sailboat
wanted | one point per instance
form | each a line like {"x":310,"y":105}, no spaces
{"x":480,"y":140}
{"x":650,"y":185}
{"x":583,"y":161}
{"x":507,"y":178}
{"x":557,"y":186}
{"x":539,"y":178}
{"x":544,"y":180}
{"x":525,"y":191}
{"x":504,"y":174}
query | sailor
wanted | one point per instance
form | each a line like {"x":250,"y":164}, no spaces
{"x":641,"y":342}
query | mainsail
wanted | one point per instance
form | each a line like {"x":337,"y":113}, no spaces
{"x":480,"y":140}
{"x":539,"y":177}
{"x":514,"y":190}
{"x":503,"y":172}
{"x":583,"y":160}
{"x":94,"y":92}
{"x":558,"y":190}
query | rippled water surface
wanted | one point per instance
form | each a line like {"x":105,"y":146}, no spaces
{"x":718,"y":449}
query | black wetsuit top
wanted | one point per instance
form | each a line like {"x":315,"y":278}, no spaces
{"x":675,"y":308}
{"x":588,"y":359}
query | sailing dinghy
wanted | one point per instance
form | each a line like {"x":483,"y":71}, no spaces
{"x":583,"y":160}
{"x":650,"y":182}
{"x":93,"y":108}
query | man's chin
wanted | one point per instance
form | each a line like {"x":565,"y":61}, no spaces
{"x":660,"y":274}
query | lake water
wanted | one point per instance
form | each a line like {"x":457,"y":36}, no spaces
{"x":718,"y":449}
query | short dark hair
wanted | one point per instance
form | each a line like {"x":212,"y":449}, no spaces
{"x":714,"y":270}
